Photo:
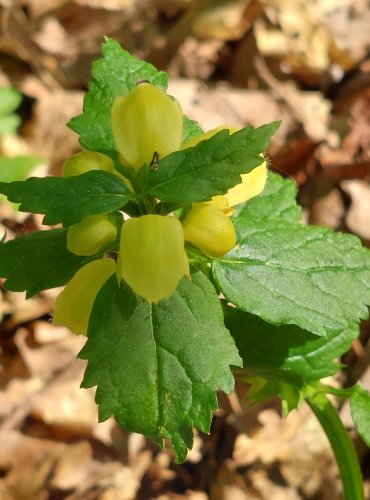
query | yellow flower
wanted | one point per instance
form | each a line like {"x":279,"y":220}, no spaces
{"x":206,"y":225}
{"x":74,"y":304}
{"x":144,"y":122}
{"x":147,"y":123}
{"x":252,"y":183}
{"x":152,"y":259}
{"x":86,"y":161}
{"x":208,"y":228}
{"x":90,"y":235}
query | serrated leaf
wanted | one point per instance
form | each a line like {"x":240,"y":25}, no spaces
{"x":157,"y":367}
{"x":16,"y":168}
{"x":191,"y":129}
{"x":10,"y":99}
{"x":286,"y":352}
{"x":211,"y":167}
{"x":292,"y":274}
{"x":38,"y":261}
{"x":360,"y":411}
{"x":68,"y":200}
{"x":114,"y":75}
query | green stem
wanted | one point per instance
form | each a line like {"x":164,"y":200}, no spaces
{"x":341,"y":444}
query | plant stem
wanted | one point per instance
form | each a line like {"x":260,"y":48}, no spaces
{"x":341,"y":444}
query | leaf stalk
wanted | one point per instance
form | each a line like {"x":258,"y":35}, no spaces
{"x":341,"y":444}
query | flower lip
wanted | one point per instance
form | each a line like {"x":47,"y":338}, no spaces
{"x":152,"y":258}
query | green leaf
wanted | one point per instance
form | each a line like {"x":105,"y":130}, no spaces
{"x":286,"y":352}
{"x":17,"y":168}
{"x":68,"y":200}
{"x":157,"y":367}
{"x":10,"y":99}
{"x":360,"y":411}
{"x":191,"y":129}
{"x":277,"y":201}
{"x":292,"y":274}
{"x":38,"y":261}
{"x":9,"y":124}
{"x":211,"y":167}
{"x":114,"y":75}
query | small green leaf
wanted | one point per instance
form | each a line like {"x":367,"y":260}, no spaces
{"x":16,"y":168}
{"x":38,"y":261}
{"x":211,"y":167}
{"x":68,"y":200}
{"x":286,"y":352}
{"x":114,"y":75}
{"x":10,"y":99}
{"x":360,"y":411}
{"x":292,"y":274}
{"x":191,"y":129}
{"x":9,"y":124}
{"x":157,"y":367}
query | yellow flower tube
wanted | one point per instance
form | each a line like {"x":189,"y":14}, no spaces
{"x":152,"y":259}
{"x":144,"y":122}
{"x":74,"y":304}
{"x":90,"y":235}
{"x":85,"y":161}
{"x":208,"y":228}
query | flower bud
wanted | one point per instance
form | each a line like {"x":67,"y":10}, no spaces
{"x":73,"y":306}
{"x":146,"y":121}
{"x":208,"y":228}
{"x":85,"y":161}
{"x":91,"y":235}
{"x":152,"y":259}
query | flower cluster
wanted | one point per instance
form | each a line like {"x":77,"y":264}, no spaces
{"x":146,"y":123}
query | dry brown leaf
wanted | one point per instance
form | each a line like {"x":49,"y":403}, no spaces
{"x":39,"y":9}
{"x":268,"y":490}
{"x":282,"y":440}
{"x":309,"y":108}
{"x":358,"y":215}
{"x":23,"y":310}
{"x":45,"y":360}
{"x":51,"y":37}
{"x":223,"y":20}
{"x":107,"y":4}
{"x":230,"y":485}
{"x":212,"y":107}
{"x":16,"y":392}
{"x":64,"y":404}
{"x":73,"y":467}
{"x":328,"y":210}
{"x":196,"y":59}
{"x":312,"y":38}
{"x":29,"y":462}
{"x":48,"y":132}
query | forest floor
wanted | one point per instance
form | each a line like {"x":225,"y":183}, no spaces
{"x":238,"y":62}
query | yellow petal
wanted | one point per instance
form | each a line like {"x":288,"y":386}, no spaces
{"x":252,"y":184}
{"x":152,"y":258}
{"x":146,"y":121}
{"x":206,"y":135}
{"x":73,"y":306}
{"x":208,"y":228}
{"x":86,"y":161}
{"x":90,"y":235}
